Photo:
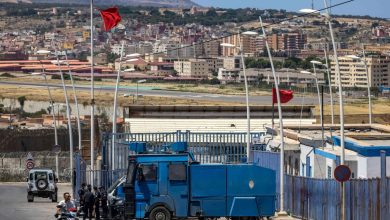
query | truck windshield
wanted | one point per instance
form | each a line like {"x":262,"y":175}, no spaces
{"x":114,"y":185}
{"x":131,"y":172}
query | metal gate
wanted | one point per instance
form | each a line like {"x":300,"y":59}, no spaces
{"x":218,"y":147}
{"x":207,"y":147}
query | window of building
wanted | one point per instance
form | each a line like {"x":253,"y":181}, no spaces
{"x":177,"y":172}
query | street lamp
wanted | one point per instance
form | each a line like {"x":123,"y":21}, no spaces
{"x":341,"y":101}
{"x":138,"y":82}
{"x":282,"y":212}
{"x":52,"y":113}
{"x":43,"y":52}
{"x":133,"y":55}
{"x":51,"y":103}
{"x":129,"y":70}
{"x":315,"y":62}
{"x":319,"y":99}
{"x":309,"y":11}
{"x":58,"y":62}
{"x":364,"y":61}
{"x":240,"y":49}
{"x":114,"y":115}
{"x":76,"y":102}
{"x":330,"y":83}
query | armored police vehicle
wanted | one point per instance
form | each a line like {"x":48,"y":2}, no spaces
{"x":163,"y":186}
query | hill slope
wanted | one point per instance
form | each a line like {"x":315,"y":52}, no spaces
{"x":157,"y":3}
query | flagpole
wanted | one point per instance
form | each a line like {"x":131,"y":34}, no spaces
{"x":92,"y":102}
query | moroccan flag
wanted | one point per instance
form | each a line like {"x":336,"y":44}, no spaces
{"x":111,"y":18}
{"x":285,"y":95}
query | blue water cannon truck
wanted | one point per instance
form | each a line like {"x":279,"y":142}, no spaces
{"x":171,"y":184}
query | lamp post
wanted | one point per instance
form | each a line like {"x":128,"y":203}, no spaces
{"x":76,"y":102}
{"x":330,"y":85}
{"x":282,"y":212}
{"x":114,"y":115}
{"x":319,"y":99}
{"x":138,"y":82}
{"x":50,"y":96}
{"x":52,"y":109}
{"x":68,"y":115}
{"x":368,"y":83}
{"x":341,"y":101}
{"x":240,"y":49}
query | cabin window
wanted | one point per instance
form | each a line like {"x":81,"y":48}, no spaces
{"x":177,"y":172}
{"x":149,"y":172}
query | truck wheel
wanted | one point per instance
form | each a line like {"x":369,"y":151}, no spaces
{"x":160,"y":213}
{"x":54,"y":197}
{"x":30,"y":198}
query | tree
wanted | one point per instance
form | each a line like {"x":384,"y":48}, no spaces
{"x":21,"y":100}
{"x":214,"y":81}
{"x":111,"y":57}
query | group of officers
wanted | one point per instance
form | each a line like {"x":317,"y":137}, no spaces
{"x":92,"y":201}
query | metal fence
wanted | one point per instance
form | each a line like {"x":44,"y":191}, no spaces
{"x":270,"y":160}
{"x":320,"y":199}
{"x":221,"y":147}
{"x":206,"y":148}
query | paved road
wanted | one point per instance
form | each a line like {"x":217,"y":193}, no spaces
{"x":259,"y":100}
{"x":14,"y":205}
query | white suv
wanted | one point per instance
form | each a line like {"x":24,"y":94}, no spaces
{"x":42,"y":183}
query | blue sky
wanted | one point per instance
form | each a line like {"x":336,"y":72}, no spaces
{"x":377,"y":8}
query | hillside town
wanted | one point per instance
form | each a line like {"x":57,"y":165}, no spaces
{"x":191,"y":51}
{"x":174,"y":110}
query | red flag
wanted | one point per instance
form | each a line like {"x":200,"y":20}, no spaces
{"x":111,"y":18}
{"x":285,"y":95}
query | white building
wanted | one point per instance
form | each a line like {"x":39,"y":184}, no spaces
{"x":231,"y":63}
{"x":192,"y":68}
{"x":228,"y":76}
{"x":354,"y":74}
{"x":363,"y":144}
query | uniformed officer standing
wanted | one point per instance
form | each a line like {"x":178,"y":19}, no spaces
{"x":97,"y":202}
{"x":103,"y":201}
{"x":81,"y":193}
{"x":89,"y":200}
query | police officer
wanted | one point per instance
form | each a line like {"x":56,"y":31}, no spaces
{"x":81,"y":193}
{"x":89,"y":200}
{"x":97,"y":202}
{"x":103,"y":201}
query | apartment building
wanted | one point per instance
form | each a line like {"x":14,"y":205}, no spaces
{"x":287,"y":41}
{"x":193,"y":68}
{"x":214,"y":64}
{"x":250,"y":44}
{"x":353,"y":72}
{"x":231,"y":63}
{"x":212,"y":48}
{"x":228,"y":76}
